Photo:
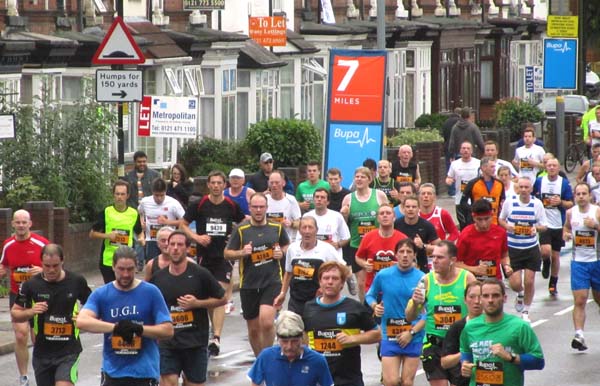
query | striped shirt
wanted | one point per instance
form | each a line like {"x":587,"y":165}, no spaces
{"x":524,"y":217}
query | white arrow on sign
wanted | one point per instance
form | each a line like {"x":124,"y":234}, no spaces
{"x":119,"y":85}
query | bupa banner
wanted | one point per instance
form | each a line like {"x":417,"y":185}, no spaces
{"x":355,"y":109}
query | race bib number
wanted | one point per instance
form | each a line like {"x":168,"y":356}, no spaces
{"x":216,"y":229}
{"x":489,"y":374}
{"x":546,"y":197}
{"x":445,"y":316}
{"x":489,"y":199}
{"x":326,"y":238}
{"x":325,"y":342}
{"x":524,"y":165}
{"x":491,"y":269}
{"x":122,"y":237}
{"x":58,"y":331}
{"x":182,"y":319}
{"x":365,"y":227}
{"x":463,"y":185}
{"x":261,"y":256}
{"x":21,"y":275}
{"x":303,"y":273}
{"x":395,"y":327}
{"x":523,"y":229}
{"x":379,"y":265}
{"x":154,"y":228}
{"x":121,"y":347}
{"x":277,"y":217}
{"x":404,"y":178}
{"x":585,"y":239}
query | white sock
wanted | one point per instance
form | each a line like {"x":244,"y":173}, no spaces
{"x":526,"y":308}
{"x":579,"y":332}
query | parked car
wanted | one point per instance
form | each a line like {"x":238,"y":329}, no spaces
{"x":575,"y":105}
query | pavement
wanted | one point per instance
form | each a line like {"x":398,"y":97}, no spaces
{"x":94,"y":279}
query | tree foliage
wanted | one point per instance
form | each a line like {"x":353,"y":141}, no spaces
{"x":202,"y":156}
{"x":59,"y":154}
{"x":292,"y":142}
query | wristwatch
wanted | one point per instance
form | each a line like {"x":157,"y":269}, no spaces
{"x":513,"y":357}
{"x":412,"y":332}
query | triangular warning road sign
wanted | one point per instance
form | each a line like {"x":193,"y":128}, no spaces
{"x":118,"y":46}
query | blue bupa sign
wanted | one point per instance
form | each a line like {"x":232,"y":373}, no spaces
{"x":355,"y":109}
{"x":560,"y":64}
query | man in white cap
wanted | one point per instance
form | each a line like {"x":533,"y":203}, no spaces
{"x":237,"y":191}
{"x":290,"y":363}
{"x":259,"y":181}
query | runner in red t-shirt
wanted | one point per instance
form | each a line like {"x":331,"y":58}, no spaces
{"x":440,"y":218}
{"x":21,"y":259}
{"x":482,"y":246}
{"x":376,"y":250}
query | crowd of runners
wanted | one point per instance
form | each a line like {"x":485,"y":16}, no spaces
{"x":426,"y":289}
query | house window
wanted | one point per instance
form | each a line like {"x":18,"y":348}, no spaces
{"x":228,"y":102}
{"x":312,"y":91}
{"x":207,"y":103}
{"x":446,"y":89}
{"x":243,"y":103}
{"x":287,"y":90}
{"x":267,"y":82}
{"x":10,"y":89}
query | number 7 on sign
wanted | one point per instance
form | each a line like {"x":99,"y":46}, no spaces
{"x":352,"y":67}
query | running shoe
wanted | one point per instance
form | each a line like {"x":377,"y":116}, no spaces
{"x":545,"y":268}
{"x":519,"y":303}
{"x":214,"y":347}
{"x":229,"y":307}
{"x":352,"y":285}
{"x":553,"y":292}
{"x":578,"y":343}
{"x":525,"y":316}
{"x":24,"y":380}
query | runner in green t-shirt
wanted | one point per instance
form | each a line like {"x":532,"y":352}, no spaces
{"x":496,"y":347}
{"x":306,"y":189}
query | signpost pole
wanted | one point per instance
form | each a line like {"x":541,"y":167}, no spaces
{"x":120,"y":132}
{"x":560,"y":109}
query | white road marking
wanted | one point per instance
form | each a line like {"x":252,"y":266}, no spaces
{"x":568,"y":309}
{"x":538,"y":322}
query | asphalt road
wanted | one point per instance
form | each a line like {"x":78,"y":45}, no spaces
{"x":551,"y":320}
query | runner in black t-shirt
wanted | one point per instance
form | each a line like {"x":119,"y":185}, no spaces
{"x":189,"y":290}
{"x":259,"y":245}
{"x":336,"y":326}
{"x":50,"y":299}
{"x":421,"y":231}
{"x":215,"y":215}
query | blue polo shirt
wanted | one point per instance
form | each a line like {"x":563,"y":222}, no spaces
{"x":272,"y":368}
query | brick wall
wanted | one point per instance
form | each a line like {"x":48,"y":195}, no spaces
{"x":81,"y":252}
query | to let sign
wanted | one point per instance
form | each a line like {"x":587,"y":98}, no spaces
{"x":268,"y":30}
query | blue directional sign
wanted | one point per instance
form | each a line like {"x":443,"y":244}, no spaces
{"x":350,"y":144}
{"x":560,"y":64}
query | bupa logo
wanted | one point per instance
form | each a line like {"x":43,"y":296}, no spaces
{"x":354,"y":136}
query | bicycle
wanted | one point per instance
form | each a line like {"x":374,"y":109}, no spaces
{"x":577,"y":153}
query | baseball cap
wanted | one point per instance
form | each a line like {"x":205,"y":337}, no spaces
{"x":236,"y":173}
{"x":289,"y":325}
{"x":264,"y":157}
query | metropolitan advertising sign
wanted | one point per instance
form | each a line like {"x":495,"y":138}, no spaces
{"x":171,"y":117}
{"x":355,"y":109}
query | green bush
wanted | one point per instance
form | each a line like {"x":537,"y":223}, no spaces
{"x":431,"y":121}
{"x":201,"y":157}
{"x":59,"y":154}
{"x":414,"y":136}
{"x":512,"y":113}
{"x":292,"y":142}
